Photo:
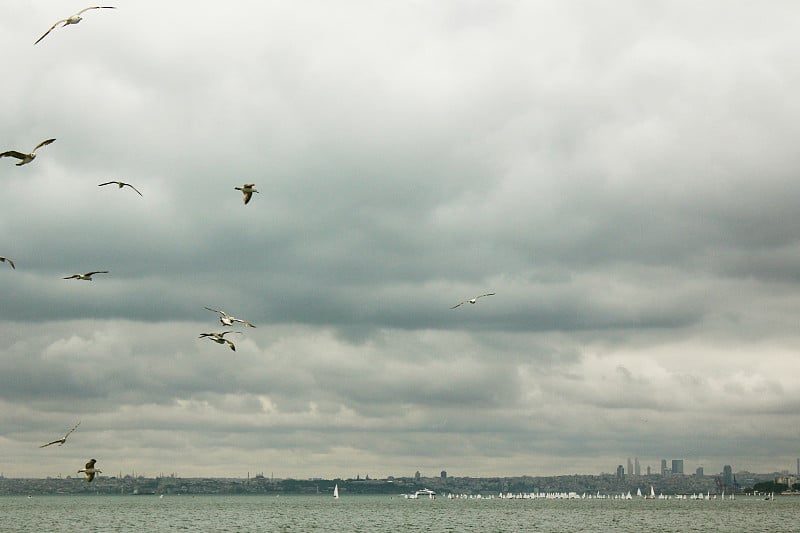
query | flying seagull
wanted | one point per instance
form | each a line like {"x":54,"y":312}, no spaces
{"x":7,"y":260}
{"x":219,"y":338}
{"x":63,"y":439}
{"x":26,"y":158}
{"x":247,"y":190}
{"x":87,"y":276}
{"x":473,"y":300}
{"x":74,"y":19}
{"x":121,"y":185}
{"x":90,"y":470}
{"x":228,"y":320}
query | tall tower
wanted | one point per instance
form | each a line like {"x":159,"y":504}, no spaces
{"x":620,"y":472}
{"x":637,"y":469}
{"x":664,"y":470}
{"x":677,"y":466}
{"x":727,"y":476}
{"x":630,"y":467}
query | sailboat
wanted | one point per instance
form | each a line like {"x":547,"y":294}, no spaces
{"x":652,"y":495}
{"x":336,"y":491}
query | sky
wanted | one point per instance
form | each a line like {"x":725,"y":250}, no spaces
{"x":623,"y":177}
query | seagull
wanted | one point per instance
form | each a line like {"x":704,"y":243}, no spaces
{"x":7,"y":260}
{"x":247,"y":190}
{"x":74,"y":19}
{"x":26,"y":158}
{"x":61,"y":440}
{"x":219,"y":338}
{"x":473,"y":300}
{"x":121,"y":185}
{"x":90,"y":470}
{"x":228,"y":320}
{"x":87,"y":276}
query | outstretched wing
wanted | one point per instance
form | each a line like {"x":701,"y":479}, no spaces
{"x":108,"y":183}
{"x":51,"y":29}
{"x":14,"y":153}
{"x":9,"y":261}
{"x":134,"y":188}
{"x":54,"y":442}
{"x":71,"y":430}
{"x":85,"y":9}
{"x":96,"y":272}
{"x":245,"y":322}
{"x":43,"y":143}
{"x":487,"y":294}
{"x":458,"y":304}
{"x":73,"y":276}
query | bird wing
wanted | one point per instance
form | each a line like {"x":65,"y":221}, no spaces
{"x":487,"y":294}
{"x":73,"y":276}
{"x":462,"y":303}
{"x":233,"y":347}
{"x":51,"y":29}
{"x":9,"y":261}
{"x":71,"y":430}
{"x":43,"y":143}
{"x":49,"y":443}
{"x":134,"y":188}
{"x":247,"y":196}
{"x":221,"y":313}
{"x":90,"y":464}
{"x":94,"y":7}
{"x":89,"y":476}
{"x":13,"y":153}
{"x":96,"y":272}
{"x":108,"y":183}
{"x":245,"y":322}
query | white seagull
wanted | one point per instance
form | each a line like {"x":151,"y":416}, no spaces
{"x":26,"y":158}
{"x":90,"y":470}
{"x":219,"y":338}
{"x":228,"y":320}
{"x":74,"y":19}
{"x":121,"y":185}
{"x":247,"y":190}
{"x":87,"y":276}
{"x":473,"y":300}
{"x":63,"y":439}
{"x":7,"y":260}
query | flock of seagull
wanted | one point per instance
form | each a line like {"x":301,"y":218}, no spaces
{"x":225,"y":319}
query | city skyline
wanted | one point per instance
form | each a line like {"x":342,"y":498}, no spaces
{"x":622,"y":181}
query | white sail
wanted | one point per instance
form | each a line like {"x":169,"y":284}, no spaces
{"x":336,"y":491}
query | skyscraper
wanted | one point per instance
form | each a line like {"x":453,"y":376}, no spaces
{"x":677,"y":466}
{"x":699,"y":472}
{"x":727,"y":476}
{"x":620,"y":472}
{"x":664,"y":470}
{"x":630,"y":467}
{"x":637,"y":469}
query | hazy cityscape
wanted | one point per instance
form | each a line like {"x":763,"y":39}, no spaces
{"x":631,"y":477}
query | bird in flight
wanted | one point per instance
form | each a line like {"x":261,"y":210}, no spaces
{"x":63,"y":439}
{"x":219,"y":338}
{"x":87,"y":276}
{"x":26,"y":158}
{"x":228,"y":320}
{"x":473,"y":300}
{"x":7,"y":260}
{"x":74,"y":19}
{"x":121,"y":185}
{"x":247,"y":190}
{"x":90,"y":470}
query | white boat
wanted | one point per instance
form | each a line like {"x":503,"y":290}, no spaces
{"x":652,"y":495}
{"x":422,"y":493}
{"x":336,"y":491}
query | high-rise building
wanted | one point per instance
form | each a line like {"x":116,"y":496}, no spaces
{"x":664,"y":470}
{"x":630,"y":467}
{"x":677,"y":466}
{"x":648,"y":470}
{"x":727,"y":476}
{"x":417,"y":476}
{"x":637,"y":469}
{"x":699,"y":471}
{"x":798,"y":466}
{"x":620,"y":472}
{"x":443,"y":475}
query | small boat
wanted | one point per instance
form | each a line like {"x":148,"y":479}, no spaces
{"x":425,"y":492}
{"x":336,"y":491}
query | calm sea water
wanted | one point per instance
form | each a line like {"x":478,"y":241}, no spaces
{"x":391,"y":514}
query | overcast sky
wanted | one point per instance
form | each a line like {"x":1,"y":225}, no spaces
{"x":624,"y":177}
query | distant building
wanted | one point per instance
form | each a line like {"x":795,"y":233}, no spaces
{"x":630,"y":467}
{"x":798,"y":468}
{"x":664,"y":470}
{"x":677,"y":466}
{"x":417,"y":475}
{"x":637,"y":469}
{"x":699,"y":471}
{"x":727,"y":476}
{"x":443,"y":475}
{"x":648,"y":470}
{"x":620,"y":472}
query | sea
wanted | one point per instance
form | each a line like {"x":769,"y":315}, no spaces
{"x":393,"y":514}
